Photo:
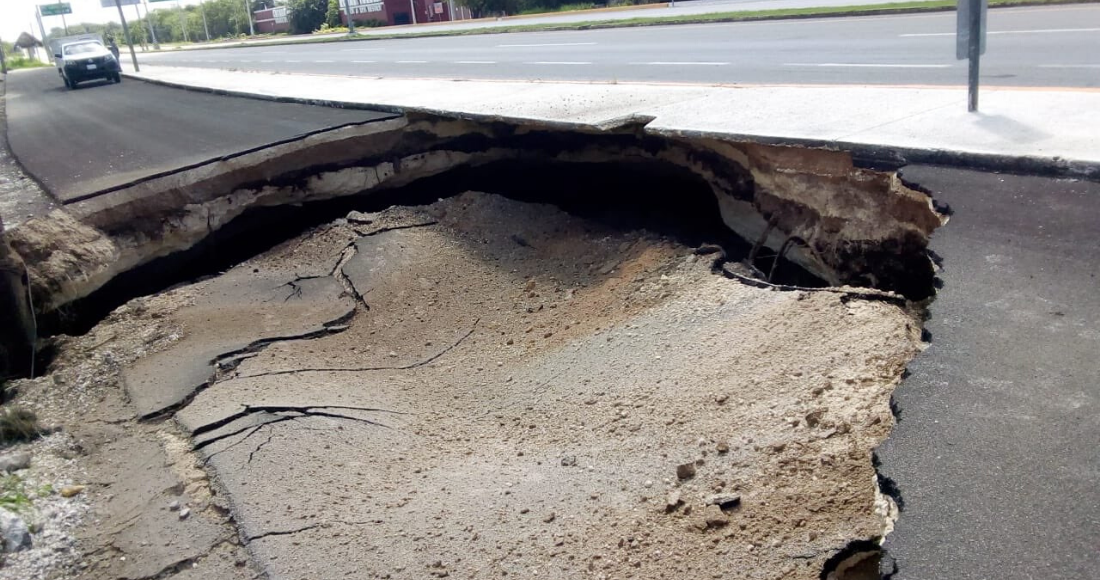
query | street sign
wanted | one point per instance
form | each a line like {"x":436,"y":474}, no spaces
{"x":970,"y":44}
{"x":962,"y":28}
{"x":111,"y":3}
{"x":56,"y":9}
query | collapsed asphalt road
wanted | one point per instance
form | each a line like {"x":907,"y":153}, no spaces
{"x":103,"y":136}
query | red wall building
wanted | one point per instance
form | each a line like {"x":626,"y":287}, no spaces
{"x":392,"y":12}
{"x":271,"y":20}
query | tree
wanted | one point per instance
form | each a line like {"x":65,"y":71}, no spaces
{"x":306,"y":15}
{"x":332,"y":17}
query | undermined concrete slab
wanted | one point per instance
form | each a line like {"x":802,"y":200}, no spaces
{"x":844,"y":224}
{"x":524,"y":393}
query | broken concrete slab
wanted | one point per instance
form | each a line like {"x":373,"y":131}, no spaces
{"x":228,"y":317}
{"x":535,"y":353}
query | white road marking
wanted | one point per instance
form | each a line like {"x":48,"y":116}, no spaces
{"x":865,"y":65}
{"x":294,"y":61}
{"x":363,"y":61}
{"x":557,"y":62}
{"x":688,"y":63}
{"x":1069,"y":66}
{"x":475,"y":62}
{"x":359,"y":49}
{"x":1037,"y":31}
{"x":546,"y":44}
{"x":412,"y":62}
{"x":267,"y":61}
{"x":323,"y":61}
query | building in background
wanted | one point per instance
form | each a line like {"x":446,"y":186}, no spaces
{"x":271,"y":20}
{"x":392,"y":12}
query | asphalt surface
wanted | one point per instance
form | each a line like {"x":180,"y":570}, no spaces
{"x":1044,"y":46}
{"x":104,"y":135}
{"x":996,"y":451}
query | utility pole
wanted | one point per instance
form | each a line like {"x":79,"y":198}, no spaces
{"x":3,"y":63}
{"x":183,"y":21}
{"x":205,"y":28}
{"x":412,"y":10}
{"x":126,"y":31}
{"x":351,"y":23}
{"x":248,"y":12}
{"x":149,"y":21}
{"x":42,"y":29}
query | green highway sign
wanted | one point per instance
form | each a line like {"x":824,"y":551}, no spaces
{"x":56,"y":9}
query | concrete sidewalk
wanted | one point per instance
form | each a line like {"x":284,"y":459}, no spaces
{"x":1026,"y":130}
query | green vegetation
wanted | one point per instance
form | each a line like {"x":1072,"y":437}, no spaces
{"x":307,"y":15}
{"x":18,"y":425}
{"x":561,"y":8}
{"x":18,"y":62}
{"x":13,"y":494}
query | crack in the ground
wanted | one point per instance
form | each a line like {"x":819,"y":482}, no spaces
{"x":301,"y":410}
{"x":305,"y":529}
{"x":385,"y":229}
{"x":414,"y":365}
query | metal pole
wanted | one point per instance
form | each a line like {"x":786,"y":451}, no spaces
{"x":42,"y":29}
{"x":205,"y":28}
{"x":451,"y":10}
{"x":126,"y":31}
{"x":248,"y":12}
{"x":974,"y":53}
{"x":152,"y":31}
{"x":3,"y":63}
{"x":183,"y":21}
{"x":64,"y":25}
{"x":351,"y":23}
{"x":412,"y":10}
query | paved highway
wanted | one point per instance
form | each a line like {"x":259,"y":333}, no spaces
{"x":1043,"y":46}
{"x":104,"y":135}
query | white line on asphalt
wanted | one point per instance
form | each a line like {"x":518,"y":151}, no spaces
{"x":412,"y":62}
{"x":865,"y":65}
{"x":1069,"y":66}
{"x":1044,"y":31}
{"x":475,"y":62}
{"x":267,"y":61}
{"x":546,"y":44}
{"x":294,"y":61}
{"x":363,"y":61}
{"x":323,"y":61}
{"x":689,"y":63}
{"x":359,"y":49}
{"x":557,"y":62}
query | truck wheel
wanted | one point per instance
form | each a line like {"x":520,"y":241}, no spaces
{"x":118,"y":77}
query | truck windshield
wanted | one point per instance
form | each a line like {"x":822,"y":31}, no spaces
{"x":82,"y":48}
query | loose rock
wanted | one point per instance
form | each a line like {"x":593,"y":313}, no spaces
{"x":14,"y":532}
{"x":673,"y":501}
{"x":685,"y":470}
{"x":184,"y":513}
{"x":71,"y":490}
{"x":14,"y":462}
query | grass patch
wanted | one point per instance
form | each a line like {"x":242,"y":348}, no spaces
{"x":18,"y":62}
{"x":749,"y":16}
{"x":18,"y":425}
{"x":562,"y":8}
{"x":13,"y":494}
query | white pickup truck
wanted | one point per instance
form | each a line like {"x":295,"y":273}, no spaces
{"x":82,"y":58}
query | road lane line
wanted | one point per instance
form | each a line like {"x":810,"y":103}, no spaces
{"x":546,"y":44}
{"x":687,"y":63}
{"x":865,"y":65}
{"x":475,"y":62}
{"x":1037,"y":31}
{"x":363,"y":61}
{"x":323,"y":61}
{"x":412,"y":62}
{"x":294,"y":61}
{"x":566,"y":62}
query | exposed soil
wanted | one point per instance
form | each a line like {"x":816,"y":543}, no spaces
{"x":519,"y":392}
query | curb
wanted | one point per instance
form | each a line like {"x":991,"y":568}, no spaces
{"x":869,"y":156}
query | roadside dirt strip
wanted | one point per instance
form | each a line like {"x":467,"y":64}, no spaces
{"x":484,"y":387}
